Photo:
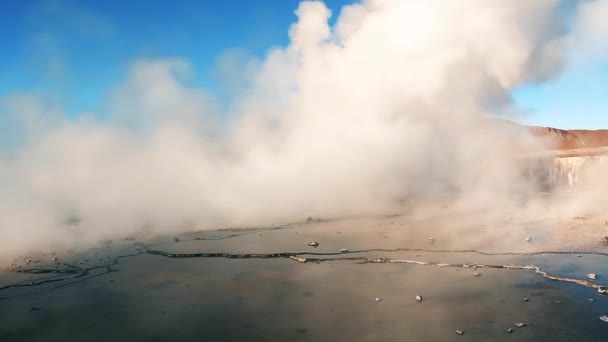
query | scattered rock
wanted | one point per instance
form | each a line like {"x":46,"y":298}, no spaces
{"x":529,"y":239}
{"x":604,"y":318}
{"x":314,"y":244}
{"x":602,"y":290}
{"x":579,"y":256}
{"x":476,"y":274}
{"x":460,"y":332}
{"x":592,"y":276}
{"x":176,"y":239}
{"x":591,"y":300}
{"x":377,"y":299}
{"x":344,"y":250}
{"x":526,"y":299}
{"x":298,"y":259}
{"x":313,"y":220}
{"x":54,"y":259}
{"x":419,"y":298}
{"x":510,"y":330}
{"x":521,"y":324}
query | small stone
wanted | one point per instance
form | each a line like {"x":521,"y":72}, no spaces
{"x":176,"y":239}
{"x":604,"y":318}
{"x":298,"y":259}
{"x":521,"y":324}
{"x":35,"y":308}
{"x":460,"y":332}
{"x":579,"y":256}
{"x":377,"y":299}
{"x":526,"y":299}
{"x":476,"y":274}
{"x":419,"y":298}
{"x":591,"y":300}
{"x":592,"y":276}
{"x":314,"y":244}
{"x":529,"y":239}
{"x":344,"y":250}
{"x":510,"y":330}
{"x":54,"y":258}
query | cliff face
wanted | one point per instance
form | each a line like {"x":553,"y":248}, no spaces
{"x":559,"y":139}
{"x":581,"y":156}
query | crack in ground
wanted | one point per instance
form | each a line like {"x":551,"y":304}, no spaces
{"x":81,"y":274}
{"x":364,"y":260}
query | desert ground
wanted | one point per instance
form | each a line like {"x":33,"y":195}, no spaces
{"x":359,"y":283}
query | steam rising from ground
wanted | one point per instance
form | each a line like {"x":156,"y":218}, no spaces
{"x":386,"y":108}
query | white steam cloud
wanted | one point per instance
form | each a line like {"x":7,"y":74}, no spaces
{"x":387,"y":107}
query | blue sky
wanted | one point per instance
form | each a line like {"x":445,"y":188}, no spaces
{"x":578,"y":99}
{"x":75,"y":51}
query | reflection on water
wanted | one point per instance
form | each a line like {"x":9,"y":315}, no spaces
{"x":216,"y":299}
{"x":153,"y":298}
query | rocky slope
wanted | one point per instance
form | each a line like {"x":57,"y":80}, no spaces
{"x":560,"y":139}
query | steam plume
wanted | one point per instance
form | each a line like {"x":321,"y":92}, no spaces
{"x":387,"y":107}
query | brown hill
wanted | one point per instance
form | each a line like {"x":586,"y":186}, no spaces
{"x":560,"y":139}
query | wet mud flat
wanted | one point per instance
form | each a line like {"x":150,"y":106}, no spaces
{"x":347,"y":288}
